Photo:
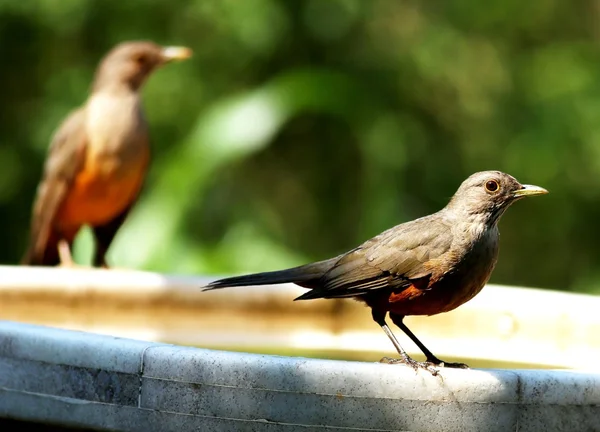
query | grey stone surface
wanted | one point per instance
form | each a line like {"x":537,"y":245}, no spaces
{"x":565,"y":400}
{"x":74,"y":413}
{"x":317,"y":392}
{"x":85,"y":380}
{"x":548,"y":418}
{"x":30,"y":342}
{"x":332,"y":410}
{"x":70,"y":381}
{"x":541,"y":387}
{"x":325,"y":376}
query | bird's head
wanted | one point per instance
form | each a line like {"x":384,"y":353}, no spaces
{"x":130,"y":63}
{"x":487,"y":194}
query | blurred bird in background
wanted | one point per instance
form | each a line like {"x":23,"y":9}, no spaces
{"x":97,"y":159}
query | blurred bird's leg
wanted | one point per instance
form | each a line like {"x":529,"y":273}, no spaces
{"x":379,"y":318}
{"x":104,"y":235}
{"x":64,"y":253}
{"x":398,"y":320}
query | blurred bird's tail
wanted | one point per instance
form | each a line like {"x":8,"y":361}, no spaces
{"x":306,"y":276}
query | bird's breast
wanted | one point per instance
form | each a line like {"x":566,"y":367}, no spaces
{"x":470,"y":274}
{"x":116,"y":130}
{"x":464,"y":276}
{"x":116,"y":159}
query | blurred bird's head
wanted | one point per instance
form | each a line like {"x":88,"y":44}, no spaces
{"x":487,"y":194}
{"x":130,"y":63}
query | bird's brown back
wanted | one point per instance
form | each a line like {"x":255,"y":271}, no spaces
{"x":65,"y":159}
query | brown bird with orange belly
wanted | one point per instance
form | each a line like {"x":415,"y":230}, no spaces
{"x":98,"y":158}
{"x":424,"y":267}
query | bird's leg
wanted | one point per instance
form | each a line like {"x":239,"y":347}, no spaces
{"x":379,"y":318}
{"x":64,"y":253}
{"x":104,"y":235}
{"x":398,"y":320}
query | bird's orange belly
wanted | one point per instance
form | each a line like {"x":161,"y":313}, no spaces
{"x":428,"y":304}
{"x":98,"y":195}
{"x":437,"y":299}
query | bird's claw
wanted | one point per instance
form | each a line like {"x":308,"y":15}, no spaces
{"x":416,"y":365}
{"x":389,"y":360}
{"x":450,"y":365}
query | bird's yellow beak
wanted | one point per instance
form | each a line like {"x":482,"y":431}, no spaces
{"x":176,"y":53}
{"x":529,"y":190}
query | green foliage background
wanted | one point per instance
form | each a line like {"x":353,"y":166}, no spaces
{"x":301,"y":128}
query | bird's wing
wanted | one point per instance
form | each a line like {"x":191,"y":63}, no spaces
{"x":65,"y":159}
{"x":394,"y":259}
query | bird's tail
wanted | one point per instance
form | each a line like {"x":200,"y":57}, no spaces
{"x":306,"y":276}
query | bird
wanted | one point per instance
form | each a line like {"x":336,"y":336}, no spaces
{"x":426,"y":266}
{"x":97,"y":159}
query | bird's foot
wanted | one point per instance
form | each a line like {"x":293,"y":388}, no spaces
{"x":416,"y":365}
{"x":73,"y":265}
{"x":454,"y":365}
{"x":441,"y":363}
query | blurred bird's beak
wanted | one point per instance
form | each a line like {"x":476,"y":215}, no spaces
{"x":175,"y":53}
{"x":529,"y":190}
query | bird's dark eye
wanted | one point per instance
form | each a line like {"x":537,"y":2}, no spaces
{"x":140,"y":59}
{"x":492,"y":186}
